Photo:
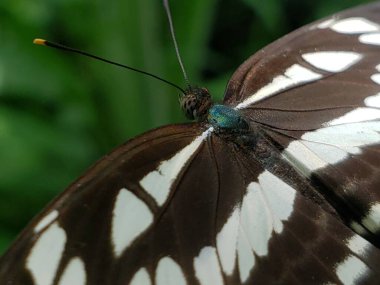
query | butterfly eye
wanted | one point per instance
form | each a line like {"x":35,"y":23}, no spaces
{"x":188,"y":105}
{"x":195,"y":103}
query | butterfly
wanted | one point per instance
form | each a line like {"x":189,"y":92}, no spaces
{"x":279,"y":184}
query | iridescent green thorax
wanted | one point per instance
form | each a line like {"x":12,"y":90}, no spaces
{"x":224,"y":117}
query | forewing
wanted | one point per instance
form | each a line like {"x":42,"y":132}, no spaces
{"x":316,"y":92}
{"x":120,"y":203}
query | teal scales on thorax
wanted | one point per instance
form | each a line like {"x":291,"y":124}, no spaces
{"x":224,"y":117}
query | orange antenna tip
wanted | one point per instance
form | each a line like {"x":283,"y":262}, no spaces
{"x":39,"y":42}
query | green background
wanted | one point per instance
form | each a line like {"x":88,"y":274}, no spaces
{"x":60,"y":112}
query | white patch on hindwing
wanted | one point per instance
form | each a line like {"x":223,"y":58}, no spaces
{"x":372,"y":219}
{"x":246,"y":259}
{"x":304,"y":159}
{"x":206,"y":266}
{"x":45,"y":221}
{"x":358,"y":245}
{"x":335,"y":141}
{"x":332,"y":61}
{"x":247,"y":232}
{"x":355,"y":116}
{"x":131,"y":216}
{"x":158,"y":182}
{"x":373,"y":101}
{"x":226,"y":242}
{"x":74,"y":273}
{"x":46,"y":254}
{"x":141,"y":277}
{"x":168,"y":272}
{"x":351,"y":270}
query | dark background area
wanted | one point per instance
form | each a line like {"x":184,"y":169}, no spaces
{"x":60,"y":112}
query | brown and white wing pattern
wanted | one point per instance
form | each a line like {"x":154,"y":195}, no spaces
{"x":187,"y":204}
{"x":181,"y":205}
{"x":317,"y":93}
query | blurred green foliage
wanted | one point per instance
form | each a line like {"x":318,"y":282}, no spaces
{"x":60,"y":112}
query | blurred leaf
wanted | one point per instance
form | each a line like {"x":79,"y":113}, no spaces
{"x":271,"y":12}
{"x":5,"y":238}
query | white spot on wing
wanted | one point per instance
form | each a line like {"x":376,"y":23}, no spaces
{"x":329,"y":153}
{"x":279,"y":197}
{"x":373,"y":101}
{"x":226,"y":242}
{"x":356,"y":116}
{"x":372,"y":220}
{"x":45,"y":255}
{"x":303,"y":158}
{"x":74,"y":273}
{"x":350,"y":270}
{"x":256,"y":220}
{"x":131,"y":217}
{"x":158,"y":182}
{"x":354,"y":25}
{"x":45,"y":221}
{"x":370,"y":39}
{"x":332,"y":144}
{"x":332,"y":61}
{"x":207,"y":268}
{"x":376,"y":78}
{"x":168,"y":272}
{"x":358,"y":245}
{"x":265,"y":206}
{"x":141,"y":277}
{"x":294,"y":75}
{"x":246,"y":259}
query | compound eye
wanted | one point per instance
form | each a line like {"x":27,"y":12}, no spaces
{"x":189,"y":106}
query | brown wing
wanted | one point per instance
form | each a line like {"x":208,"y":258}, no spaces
{"x":316,"y":93}
{"x":181,"y":205}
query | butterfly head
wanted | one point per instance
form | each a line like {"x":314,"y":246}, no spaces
{"x":195,"y":103}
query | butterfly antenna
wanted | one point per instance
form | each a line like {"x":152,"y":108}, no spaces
{"x":168,"y":13}
{"x":62,"y":47}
